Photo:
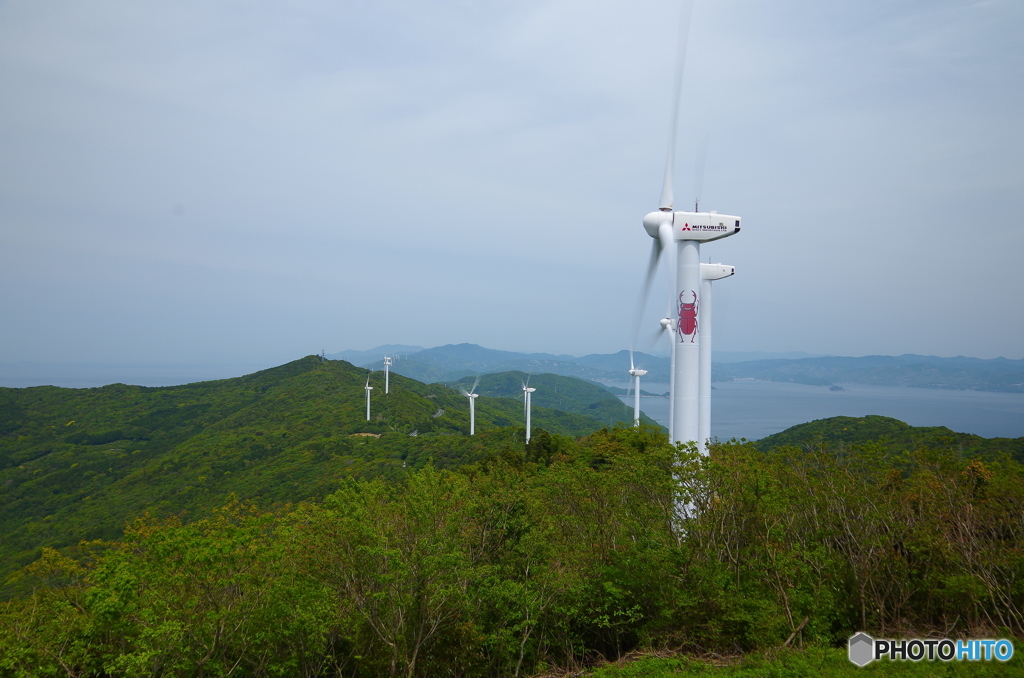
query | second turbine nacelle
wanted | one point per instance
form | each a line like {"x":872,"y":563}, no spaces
{"x":703,"y":226}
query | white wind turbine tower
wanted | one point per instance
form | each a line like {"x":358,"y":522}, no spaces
{"x":682,"y":233}
{"x":636,"y":374}
{"x":527,"y":391}
{"x":708,"y":272}
{"x":472,"y":395}
{"x":387,"y":366}
{"x":368,"y":389}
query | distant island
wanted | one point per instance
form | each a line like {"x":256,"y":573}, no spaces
{"x":454,"y":361}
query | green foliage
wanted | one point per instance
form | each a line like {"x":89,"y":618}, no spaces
{"x":79,"y":463}
{"x":812,"y":663}
{"x":564,"y":553}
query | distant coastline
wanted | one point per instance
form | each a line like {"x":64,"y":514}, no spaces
{"x":452,"y":362}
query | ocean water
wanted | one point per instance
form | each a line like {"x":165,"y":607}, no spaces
{"x":755,"y":409}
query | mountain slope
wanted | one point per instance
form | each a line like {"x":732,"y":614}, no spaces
{"x":77,"y":463}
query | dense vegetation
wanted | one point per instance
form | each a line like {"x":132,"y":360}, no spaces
{"x":78,"y":463}
{"x":553,"y":555}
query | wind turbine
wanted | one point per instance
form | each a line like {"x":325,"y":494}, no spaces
{"x":527,"y":390}
{"x":681,"y":233}
{"x":708,"y":272}
{"x":368,"y":389}
{"x":636,"y":374}
{"x":472,"y":395}
{"x":387,"y":365}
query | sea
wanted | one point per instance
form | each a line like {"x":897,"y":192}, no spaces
{"x":755,"y":409}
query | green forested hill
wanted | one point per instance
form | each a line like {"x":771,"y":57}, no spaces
{"x":557,"y":392}
{"x":78,"y":463}
{"x":891,"y":434}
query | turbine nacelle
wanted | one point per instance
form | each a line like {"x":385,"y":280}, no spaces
{"x":716,"y":271}
{"x":702,"y":226}
{"x":637,"y":373}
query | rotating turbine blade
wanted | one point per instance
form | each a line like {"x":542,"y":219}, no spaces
{"x":645,"y":289}
{"x":660,"y":245}
{"x":476,"y":383}
{"x":677,"y":88}
{"x":698,"y":172}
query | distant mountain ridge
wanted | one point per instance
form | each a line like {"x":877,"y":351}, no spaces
{"x":960,"y":373}
{"x":360,"y":358}
{"x":452,"y":362}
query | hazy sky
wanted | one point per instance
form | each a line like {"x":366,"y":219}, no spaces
{"x":257,"y":181}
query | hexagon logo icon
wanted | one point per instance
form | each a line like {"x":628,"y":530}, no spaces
{"x":861,"y":649}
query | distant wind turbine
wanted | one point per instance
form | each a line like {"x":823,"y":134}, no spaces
{"x":636,"y":374}
{"x":527,"y":391}
{"x":387,"y":366}
{"x":472,"y":395}
{"x":368,"y":389}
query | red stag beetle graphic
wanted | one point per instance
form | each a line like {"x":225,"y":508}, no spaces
{"x":687,"y":325}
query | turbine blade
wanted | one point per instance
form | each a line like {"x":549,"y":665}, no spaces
{"x":476,"y":383}
{"x":677,"y":88}
{"x":645,"y":289}
{"x":698,"y":173}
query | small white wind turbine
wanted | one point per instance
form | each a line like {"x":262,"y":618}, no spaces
{"x":636,"y":374}
{"x":472,"y":395}
{"x":387,"y":366}
{"x":708,"y":272}
{"x":681,"y":233}
{"x":527,"y":391}
{"x":368,"y":389}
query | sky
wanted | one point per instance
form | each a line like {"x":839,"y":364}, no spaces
{"x":224,"y":181}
